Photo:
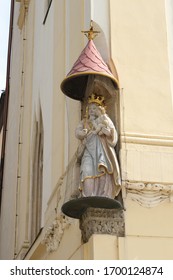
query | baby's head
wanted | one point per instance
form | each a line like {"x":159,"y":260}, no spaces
{"x":102,"y":110}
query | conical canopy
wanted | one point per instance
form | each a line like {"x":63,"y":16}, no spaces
{"x":89,"y":62}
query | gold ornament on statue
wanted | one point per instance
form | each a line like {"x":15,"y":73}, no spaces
{"x":98,"y":99}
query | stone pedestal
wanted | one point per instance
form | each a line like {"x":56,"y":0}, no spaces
{"x":102,"y":221}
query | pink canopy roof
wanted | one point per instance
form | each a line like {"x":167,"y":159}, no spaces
{"x":89,"y":62}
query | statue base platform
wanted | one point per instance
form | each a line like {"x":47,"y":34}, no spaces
{"x":77,"y":207}
{"x":102,"y":221}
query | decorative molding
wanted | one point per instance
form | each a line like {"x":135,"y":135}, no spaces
{"x":149,"y":194}
{"x":157,"y":140}
{"x":65,"y":189}
{"x":54,"y":232}
{"x":102,"y":221}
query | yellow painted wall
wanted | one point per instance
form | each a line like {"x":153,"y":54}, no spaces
{"x":139,"y":50}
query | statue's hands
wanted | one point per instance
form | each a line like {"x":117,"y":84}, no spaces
{"x":83,"y":132}
{"x":106,"y":131}
{"x":100,"y":133}
{"x":98,"y":129}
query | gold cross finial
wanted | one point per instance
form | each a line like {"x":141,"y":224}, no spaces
{"x":91,"y":34}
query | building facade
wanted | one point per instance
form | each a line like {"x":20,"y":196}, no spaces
{"x":136,"y":42}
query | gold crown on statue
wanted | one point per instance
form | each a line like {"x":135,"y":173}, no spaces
{"x":98,"y":99}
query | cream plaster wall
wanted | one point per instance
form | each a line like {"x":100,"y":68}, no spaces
{"x":139,"y":51}
{"x":156,"y":221}
{"x":147,"y":162}
{"x":101,"y":247}
{"x":145,"y":248}
{"x":169,"y":20}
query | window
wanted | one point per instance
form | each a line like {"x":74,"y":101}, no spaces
{"x":37,"y":179}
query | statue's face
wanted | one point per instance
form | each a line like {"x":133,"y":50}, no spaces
{"x":93,"y":110}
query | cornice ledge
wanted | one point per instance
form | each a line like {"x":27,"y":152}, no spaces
{"x":147,"y":139}
{"x":148,"y":194}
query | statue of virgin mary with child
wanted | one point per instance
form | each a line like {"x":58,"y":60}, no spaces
{"x":99,"y":168}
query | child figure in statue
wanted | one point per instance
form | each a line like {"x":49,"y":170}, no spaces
{"x":99,"y":169}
